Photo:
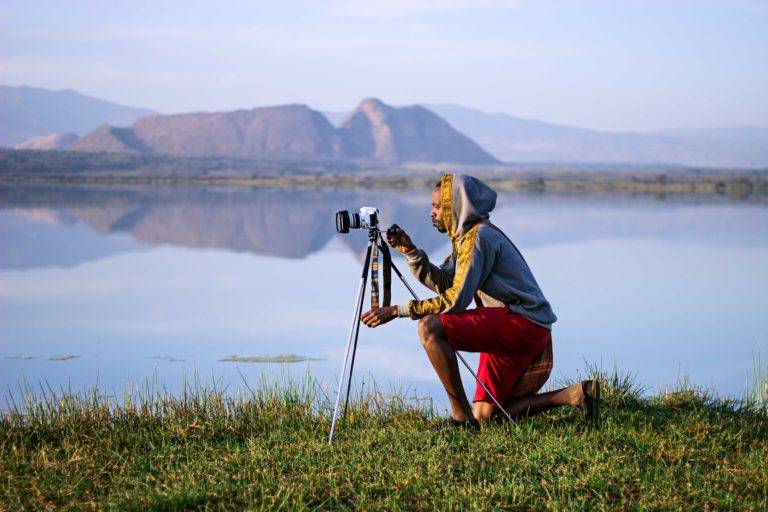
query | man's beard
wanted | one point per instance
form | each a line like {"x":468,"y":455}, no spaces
{"x":439,"y":228}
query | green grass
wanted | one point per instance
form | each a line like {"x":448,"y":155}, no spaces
{"x":682,"y":450}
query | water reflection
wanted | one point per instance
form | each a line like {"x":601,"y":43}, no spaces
{"x":169,"y":280}
{"x":298,"y":222}
{"x":284,"y":223}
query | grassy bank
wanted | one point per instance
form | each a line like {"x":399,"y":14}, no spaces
{"x":680,"y":450}
{"x":739,"y":185}
{"x":66,"y":167}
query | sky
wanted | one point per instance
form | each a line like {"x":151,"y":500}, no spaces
{"x":626,"y":65}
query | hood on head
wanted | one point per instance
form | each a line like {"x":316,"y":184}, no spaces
{"x":465,"y":201}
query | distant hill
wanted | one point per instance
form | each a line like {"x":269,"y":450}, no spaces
{"x":109,"y":139}
{"x":381,"y":133}
{"x":290,"y":131}
{"x":29,"y":112}
{"x":514,"y":139}
{"x":49,"y":142}
{"x":375,"y":132}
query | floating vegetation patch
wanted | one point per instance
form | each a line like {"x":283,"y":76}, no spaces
{"x":169,"y":359}
{"x":21,"y":358}
{"x":281,"y":358}
{"x":63,"y":357}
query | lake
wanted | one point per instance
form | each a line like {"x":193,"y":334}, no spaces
{"x":111,"y":285}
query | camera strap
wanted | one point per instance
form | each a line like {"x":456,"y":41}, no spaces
{"x":380,"y":246}
{"x":387,"y":258}
{"x":375,"y":276}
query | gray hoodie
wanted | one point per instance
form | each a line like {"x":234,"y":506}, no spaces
{"x":483,"y":261}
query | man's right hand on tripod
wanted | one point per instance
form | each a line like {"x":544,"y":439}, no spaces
{"x":399,"y":239}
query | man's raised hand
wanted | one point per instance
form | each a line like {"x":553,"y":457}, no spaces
{"x":399,"y":239}
{"x":379,"y":316}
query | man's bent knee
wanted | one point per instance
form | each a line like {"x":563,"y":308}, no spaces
{"x":429,"y":328}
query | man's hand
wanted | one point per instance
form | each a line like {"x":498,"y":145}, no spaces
{"x":399,"y":239}
{"x":379,"y":316}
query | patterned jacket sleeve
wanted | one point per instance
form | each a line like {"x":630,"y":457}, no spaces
{"x":437,"y":279}
{"x":474,"y":262}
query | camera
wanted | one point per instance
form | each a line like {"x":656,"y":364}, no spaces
{"x":366,"y":217}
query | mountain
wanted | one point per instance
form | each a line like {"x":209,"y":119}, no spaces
{"x":374,"y":132}
{"x":514,"y":139}
{"x":290,"y":131}
{"x":27,"y":112}
{"x":108,"y":139}
{"x":48,"y":142}
{"x":378,"y":132}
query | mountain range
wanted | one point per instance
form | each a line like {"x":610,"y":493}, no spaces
{"x":374,"y":133}
{"x":34,"y":118}
{"x":28,"y":112}
{"x":513,"y":139}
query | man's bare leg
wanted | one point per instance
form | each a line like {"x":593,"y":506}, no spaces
{"x":530,"y":405}
{"x":445,"y":363}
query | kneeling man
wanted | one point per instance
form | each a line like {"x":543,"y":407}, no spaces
{"x":511,"y":325}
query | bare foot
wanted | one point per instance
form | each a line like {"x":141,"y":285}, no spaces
{"x":575,"y":394}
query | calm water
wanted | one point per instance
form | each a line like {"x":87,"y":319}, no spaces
{"x":159,"y":283}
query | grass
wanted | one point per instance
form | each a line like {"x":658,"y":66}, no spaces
{"x":200,"y":449}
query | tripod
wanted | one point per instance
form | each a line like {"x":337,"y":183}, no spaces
{"x":376,"y":244}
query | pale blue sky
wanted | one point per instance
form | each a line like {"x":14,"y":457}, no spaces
{"x":614,"y":65}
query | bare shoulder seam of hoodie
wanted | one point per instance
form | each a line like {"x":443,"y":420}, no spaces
{"x":483,"y":260}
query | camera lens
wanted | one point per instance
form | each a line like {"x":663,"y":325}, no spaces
{"x":342,"y":221}
{"x":354,"y":221}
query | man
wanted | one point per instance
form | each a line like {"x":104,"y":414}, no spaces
{"x":511,"y":327}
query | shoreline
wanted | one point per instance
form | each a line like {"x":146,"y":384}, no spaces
{"x":62,"y":167}
{"x":717,"y":185}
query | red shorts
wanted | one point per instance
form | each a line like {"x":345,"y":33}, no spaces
{"x":507,"y":343}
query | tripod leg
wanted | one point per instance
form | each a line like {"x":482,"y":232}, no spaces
{"x":461,"y":358}
{"x":353,"y":328}
{"x":488,"y":392}
{"x":373,"y":261}
{"x":354,"y":353}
